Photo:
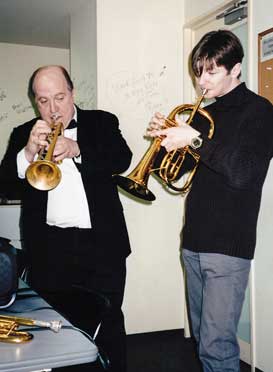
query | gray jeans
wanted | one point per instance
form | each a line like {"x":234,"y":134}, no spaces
{"x":216,"y":286}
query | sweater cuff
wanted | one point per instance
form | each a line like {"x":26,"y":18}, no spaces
{"x":207,"y":150}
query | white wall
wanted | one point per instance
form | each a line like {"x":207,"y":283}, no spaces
{"x":140,"y":71}
{"x":261,"y":20}
{"x":17,"y":64}
{"x":83,"y":46}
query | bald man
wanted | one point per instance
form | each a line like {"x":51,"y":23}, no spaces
{"x":74,"y":235}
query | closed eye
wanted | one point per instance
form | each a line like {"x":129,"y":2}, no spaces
{"x":59,"y":97}
{"x":42,"y":101}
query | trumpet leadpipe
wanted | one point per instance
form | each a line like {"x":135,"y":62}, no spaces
{"x":54,"y":325}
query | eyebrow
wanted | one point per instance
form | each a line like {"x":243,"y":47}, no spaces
{"x":55,"y":95}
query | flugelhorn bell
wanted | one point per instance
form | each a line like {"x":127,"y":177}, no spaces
{"x":170,"y":166}
{"x":136,"y":182}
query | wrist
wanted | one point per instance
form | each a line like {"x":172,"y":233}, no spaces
{"x":28,"y":155}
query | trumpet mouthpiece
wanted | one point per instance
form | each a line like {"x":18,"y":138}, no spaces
{"x":54,"y":325}
{"x":55,"y":116}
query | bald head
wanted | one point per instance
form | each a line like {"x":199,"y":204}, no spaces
{"x":53,"y":92}
{"x":61,"y":69}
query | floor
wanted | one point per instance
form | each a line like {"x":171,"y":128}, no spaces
{"x":165,"y":351}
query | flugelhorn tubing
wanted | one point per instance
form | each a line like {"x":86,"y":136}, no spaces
{"x":173,"y":161}
{"x":54,"y":325}
{"x":172,"y":123}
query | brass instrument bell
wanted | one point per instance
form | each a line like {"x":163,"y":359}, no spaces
{"x":44,"y":174}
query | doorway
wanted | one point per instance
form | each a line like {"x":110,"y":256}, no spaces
{"x":192,"y":34}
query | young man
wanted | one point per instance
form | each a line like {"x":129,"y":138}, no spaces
{"x":75,"y":234}
{"x":219,"y":234}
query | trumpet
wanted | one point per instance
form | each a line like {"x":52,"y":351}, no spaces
{"x":44,"y":174}
{"x":9,"y":328}
{"x":169,"y":169}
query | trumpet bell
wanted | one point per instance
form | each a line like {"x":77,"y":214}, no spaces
{"x":134,"y":187}
{"x":43,"y":175}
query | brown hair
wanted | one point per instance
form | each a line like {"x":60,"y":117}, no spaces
{"x":221,"y":47}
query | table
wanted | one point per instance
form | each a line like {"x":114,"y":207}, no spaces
{"x":47,"y":349}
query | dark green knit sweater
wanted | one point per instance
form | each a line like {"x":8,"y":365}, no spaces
{"x":223,"y":204}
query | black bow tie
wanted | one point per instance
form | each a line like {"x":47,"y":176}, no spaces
{"x":72,"y":124}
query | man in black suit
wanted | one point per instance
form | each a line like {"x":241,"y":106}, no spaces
{"x":74,"y":235}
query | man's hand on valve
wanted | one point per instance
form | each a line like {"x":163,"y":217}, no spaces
{"x":37,"y":139}
{"x":174,"y":137}
{"x":65,"y":148}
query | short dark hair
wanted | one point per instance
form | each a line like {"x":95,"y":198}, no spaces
{"x":222,"y":47}
{"x":31,"y":90}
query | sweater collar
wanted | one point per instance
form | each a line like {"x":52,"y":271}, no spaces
{"x":233,"y":98}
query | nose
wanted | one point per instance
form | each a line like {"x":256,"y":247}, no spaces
{"x":53,"y":106}
{"x":202,"y":80}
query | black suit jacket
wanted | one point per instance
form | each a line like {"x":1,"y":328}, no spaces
{"x":104,"y":152}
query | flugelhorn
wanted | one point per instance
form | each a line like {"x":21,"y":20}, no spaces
{"x":169,"y":169}
{"x":44,"y":174}
{"x":9,"y":328}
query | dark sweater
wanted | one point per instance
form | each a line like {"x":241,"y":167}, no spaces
{"x":223,"y":204}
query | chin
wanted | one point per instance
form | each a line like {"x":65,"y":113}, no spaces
{"x":212,"y":94}
{"x":209,"y":95}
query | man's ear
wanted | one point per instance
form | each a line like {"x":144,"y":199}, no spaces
{"x":236,"y":70}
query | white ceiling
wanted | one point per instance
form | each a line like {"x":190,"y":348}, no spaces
{"x":37,"y":22}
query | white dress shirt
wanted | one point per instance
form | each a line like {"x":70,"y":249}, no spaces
{"x":67,"y":204}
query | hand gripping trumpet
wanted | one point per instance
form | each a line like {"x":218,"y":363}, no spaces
{"x":136,"y":182}
{"x":44,"y":174}
{"x":9,"y":328}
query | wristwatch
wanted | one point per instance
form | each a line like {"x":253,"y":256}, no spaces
{"x":196,"y":142}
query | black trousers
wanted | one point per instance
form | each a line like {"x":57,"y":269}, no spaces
{"x":68,"y":272}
